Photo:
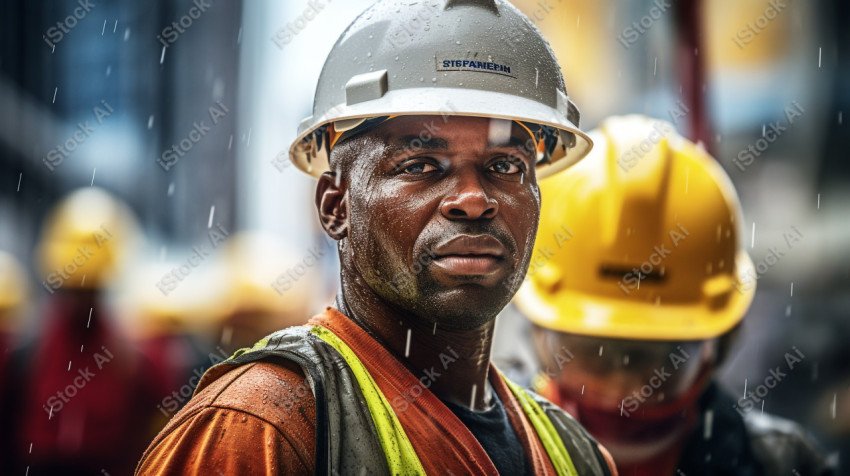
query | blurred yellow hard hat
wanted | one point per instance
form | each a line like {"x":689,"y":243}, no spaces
{"x":193,"y":305}
{"x":13,"y":284}
{"x":268,"y":279}
{"x":84,"y":240}
{"x":639,"y":241}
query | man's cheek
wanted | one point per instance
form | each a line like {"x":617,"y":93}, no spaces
{"x":377,"y":254}
{"x":524,"y":232}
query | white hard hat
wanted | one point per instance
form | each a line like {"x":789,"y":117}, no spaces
{"x":480,"y":58}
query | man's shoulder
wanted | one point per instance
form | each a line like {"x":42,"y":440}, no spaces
{"x":780,"y":444}
{"x":273,"y":391}
{"x":259,"y":401}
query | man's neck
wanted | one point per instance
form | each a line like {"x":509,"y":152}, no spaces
{"x":455,"y":363}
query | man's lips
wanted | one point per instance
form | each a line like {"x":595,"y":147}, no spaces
{"x":469,"y":265}
{"x":470,"y":255}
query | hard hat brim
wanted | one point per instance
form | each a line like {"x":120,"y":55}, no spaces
{"x":443,"y":102}
{"x":584,"y":314}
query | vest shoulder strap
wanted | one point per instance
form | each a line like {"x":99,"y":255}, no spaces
{"x":587,"y":457}
{"x":346,"y":438}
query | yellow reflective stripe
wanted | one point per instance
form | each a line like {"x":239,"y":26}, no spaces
{"x":401,"y":458}
{"x":545,"y":430}
{"x":259,"y":345}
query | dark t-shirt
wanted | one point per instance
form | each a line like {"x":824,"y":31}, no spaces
{"x":493,"y":430}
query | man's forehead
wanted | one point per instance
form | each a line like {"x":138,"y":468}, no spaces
{"x":439,"y":132}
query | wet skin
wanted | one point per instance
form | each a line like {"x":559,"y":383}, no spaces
{"x":432,"y":238}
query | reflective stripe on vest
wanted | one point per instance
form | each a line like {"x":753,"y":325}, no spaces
{"x":545,"y":430}
{"x":401,"y":457}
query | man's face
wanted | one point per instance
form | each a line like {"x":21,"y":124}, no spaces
{"x":442,"y":214}
{"x":622,"y":375}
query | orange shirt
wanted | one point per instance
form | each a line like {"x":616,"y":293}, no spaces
{"x":260,"y":418}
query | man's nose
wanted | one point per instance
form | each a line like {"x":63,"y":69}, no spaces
{"x":469,"y":201}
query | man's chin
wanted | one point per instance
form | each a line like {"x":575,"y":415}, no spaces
{"x":465,"y":306}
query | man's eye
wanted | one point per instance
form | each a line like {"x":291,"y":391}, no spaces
{"x":419,"y":168}
{"x":505,"y":167}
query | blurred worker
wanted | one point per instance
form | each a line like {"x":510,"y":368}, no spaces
{"x":270,"y":287}
{"x":174,"y":329}
{"x":427,"y":170}
{"x":639,"y":281}
{"x":85,"y":394}
{"x":13,"y":297}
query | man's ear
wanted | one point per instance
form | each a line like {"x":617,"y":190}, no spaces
{"x":332,"y":205}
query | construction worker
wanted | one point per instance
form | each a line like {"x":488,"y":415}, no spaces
{"x":14,"y":291}
{"x":427,"y":136}
{"x":84,"y":394}
{"x":638,"y":283}
{"x":173,"y":329}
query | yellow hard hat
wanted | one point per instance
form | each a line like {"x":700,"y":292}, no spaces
{"x":13,"y":284}
{"x":85,"y":239}
{"x":639,"y":241}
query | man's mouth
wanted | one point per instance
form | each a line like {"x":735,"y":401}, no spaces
{"x":470,"y":255}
